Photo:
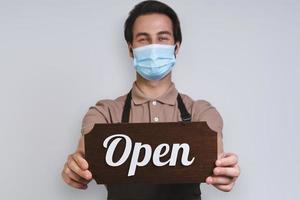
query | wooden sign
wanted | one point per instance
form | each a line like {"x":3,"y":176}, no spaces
{"x":164,"y":152}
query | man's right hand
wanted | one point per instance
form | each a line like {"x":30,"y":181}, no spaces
{"x":75,"y":172}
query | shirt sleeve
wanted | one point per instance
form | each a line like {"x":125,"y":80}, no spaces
{"x":204,"y":111}
{"x":98,"y":113}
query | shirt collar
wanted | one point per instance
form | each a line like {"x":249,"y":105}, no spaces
{"x":169,"y":97}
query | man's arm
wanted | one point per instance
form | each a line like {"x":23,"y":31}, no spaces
{"x":227,"y":169}
{"x":75,"y":172}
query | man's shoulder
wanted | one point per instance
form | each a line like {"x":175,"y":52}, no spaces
{"x":200,"y":108}
{"x":104,"y":111}
{"x":195,"y":104}
{"x":116,"y":103}
{"x":203,"y":110}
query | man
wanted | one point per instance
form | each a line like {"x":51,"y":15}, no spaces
{"x":153,"y":35}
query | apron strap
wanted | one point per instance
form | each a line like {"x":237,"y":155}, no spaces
{"x":126,"y":108}
{"x":185,"y":115}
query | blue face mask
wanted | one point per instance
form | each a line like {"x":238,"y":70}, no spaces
{"x":154,"y":61}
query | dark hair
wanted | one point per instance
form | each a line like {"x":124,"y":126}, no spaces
{"x":150,"y":7}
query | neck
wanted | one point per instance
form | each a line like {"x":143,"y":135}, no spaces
{"x":153,"y":88}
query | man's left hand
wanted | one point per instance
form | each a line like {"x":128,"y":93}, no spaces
{"x":225,"y":173}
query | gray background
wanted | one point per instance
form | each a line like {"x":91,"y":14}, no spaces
{"x":57,"y":58}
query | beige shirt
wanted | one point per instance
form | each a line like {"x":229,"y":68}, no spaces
{"x":161,"y":109}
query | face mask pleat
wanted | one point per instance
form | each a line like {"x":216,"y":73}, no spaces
{"x":154,"y":61}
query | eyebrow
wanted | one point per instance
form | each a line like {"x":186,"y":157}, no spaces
{"x":141,"y":34}
{"x":159,"y":33}
{"x":164,"y":32}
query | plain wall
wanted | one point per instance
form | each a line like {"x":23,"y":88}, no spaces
{"x":57,"y":58}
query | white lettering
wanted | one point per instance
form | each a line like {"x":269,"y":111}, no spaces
{"x":159,"y":152}
{"x":135,"y":155}
{"x":185,"y":154}
{"x":112,"y":147}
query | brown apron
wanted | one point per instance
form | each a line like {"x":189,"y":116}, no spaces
{"x":134,"y":191}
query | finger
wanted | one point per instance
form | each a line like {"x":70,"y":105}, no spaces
{"x":74,"y":176}
{"x":219,"y":180}
{"x":225,"y":188}
{"x":221,"y":155}
{"x":75,"y":184}
{"x":231,"y":160}
{"x":226,"y":171}
{"x":225,"y":154}
{"x":82,"y":163}
{"x":75,"y":168}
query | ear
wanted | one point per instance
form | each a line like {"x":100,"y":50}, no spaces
{"x":177,"y":47}
{"x":130,"y":50}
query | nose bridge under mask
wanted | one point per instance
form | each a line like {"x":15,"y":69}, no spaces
{"x":154,"y":51}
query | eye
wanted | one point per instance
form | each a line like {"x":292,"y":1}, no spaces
{"x":163,"y":38}
{"x":142,"y":40}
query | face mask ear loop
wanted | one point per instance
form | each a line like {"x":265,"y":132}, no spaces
{"x":175,"y":50}
{"x":131,"y":51}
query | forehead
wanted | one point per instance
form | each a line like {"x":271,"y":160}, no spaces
{"x":152,"y":23}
